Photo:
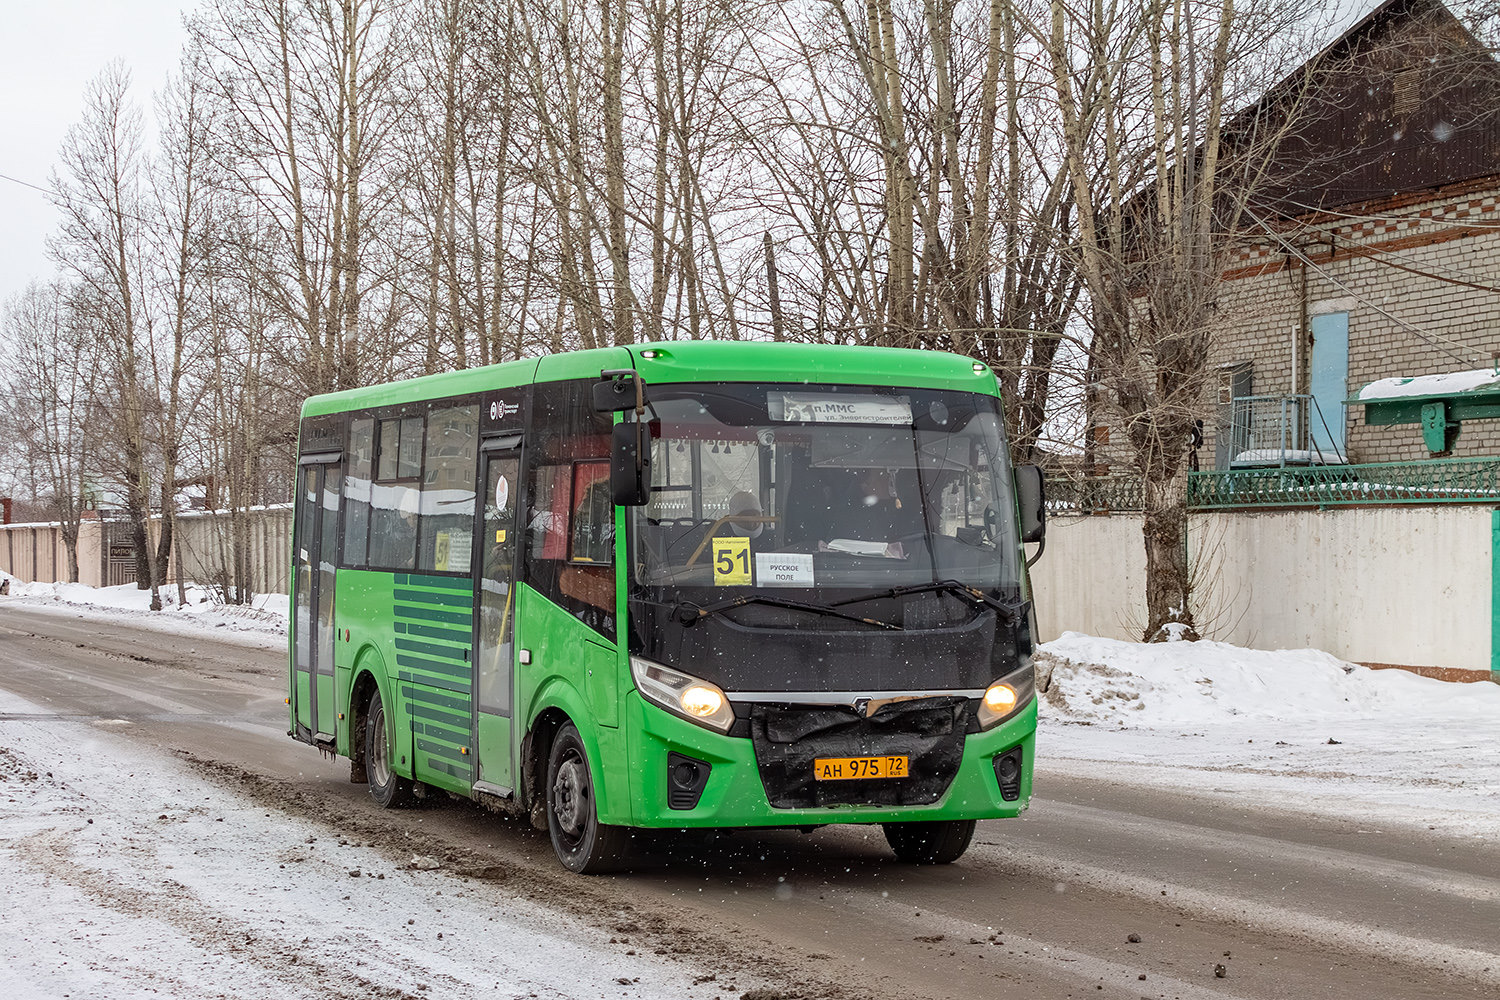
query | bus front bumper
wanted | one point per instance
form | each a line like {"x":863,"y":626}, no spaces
{"x":734,"y":794}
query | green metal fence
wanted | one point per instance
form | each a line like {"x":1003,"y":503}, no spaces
{"x":1111,"y":494}
{"x":1449,"y":480}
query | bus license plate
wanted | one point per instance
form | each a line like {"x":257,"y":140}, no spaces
{"x":850,"y":768}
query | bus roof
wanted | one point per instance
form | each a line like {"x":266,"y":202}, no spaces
{"x":688,"y":361}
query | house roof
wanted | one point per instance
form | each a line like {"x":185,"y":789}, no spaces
{"x":1407,"y":99}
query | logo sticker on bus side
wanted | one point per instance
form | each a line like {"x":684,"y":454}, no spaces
{"x":732,"y":562}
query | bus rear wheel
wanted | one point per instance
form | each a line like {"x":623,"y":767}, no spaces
{"x":583,"y":844}
{"x":387,"y":787}
{"x":935,"y":842}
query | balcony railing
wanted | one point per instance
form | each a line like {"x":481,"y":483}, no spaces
{"x":1448,"y":480}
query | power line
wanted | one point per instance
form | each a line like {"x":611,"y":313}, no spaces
{"x":25,"y":184}
{"x":1433,"y":339}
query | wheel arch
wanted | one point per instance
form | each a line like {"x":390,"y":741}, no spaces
{"x":555,"y":705}
{"x":369,"y":677}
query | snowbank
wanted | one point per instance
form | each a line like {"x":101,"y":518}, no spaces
{"x":1195,"y":684}
{"x":1291,"y":729}
{"x":262,"y":622}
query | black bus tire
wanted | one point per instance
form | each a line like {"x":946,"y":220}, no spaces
{"x":934,"y":842}
{"x":387,"y":788}
{"x":583,"y":844}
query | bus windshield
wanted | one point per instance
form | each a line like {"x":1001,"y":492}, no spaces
{"x":758,"y":486}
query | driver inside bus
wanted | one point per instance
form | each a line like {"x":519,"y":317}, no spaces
{"x":751,"y":521}
{"x":874,"y":512}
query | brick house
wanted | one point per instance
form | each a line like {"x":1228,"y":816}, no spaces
{"x":1374,"y":252}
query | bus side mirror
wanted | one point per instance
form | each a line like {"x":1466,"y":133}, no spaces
{"x":630,"y":464}
{"x":1031,"y":500}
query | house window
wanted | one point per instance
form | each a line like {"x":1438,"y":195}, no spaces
{"x":1234,"y":382}
{"x":1407,"y":92}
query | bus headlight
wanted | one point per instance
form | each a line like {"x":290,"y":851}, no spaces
{"x":1003,"y":698}
{"x":683,"y":694}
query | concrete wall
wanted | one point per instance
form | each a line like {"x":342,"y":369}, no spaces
{"x":203,"y":539}
{"x":1388,"y":585}
{"x":1092,"y":577}
{"x":1391,"y":585}
{"x":35,"y":552}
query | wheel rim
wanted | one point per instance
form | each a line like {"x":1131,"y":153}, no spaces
{"x":377,"y":753}
{"x":572,"y":802}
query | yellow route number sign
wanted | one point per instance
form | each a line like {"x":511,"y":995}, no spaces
{"x":732,"y":562}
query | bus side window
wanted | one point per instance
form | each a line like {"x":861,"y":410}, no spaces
{"x":394,"y":497}
{"x":357,"y":490}
{"x":447,"y":521}
{"x":593,"y":531}
{"x":570,"y":552}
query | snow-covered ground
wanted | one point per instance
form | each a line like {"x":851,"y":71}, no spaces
{"x":261,"y":623}
{"x":139,"y":878}
{"x":1295,"y":729}
{"x":1287,"y":729}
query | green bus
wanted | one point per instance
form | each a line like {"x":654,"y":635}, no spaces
{"x":677,"y":585}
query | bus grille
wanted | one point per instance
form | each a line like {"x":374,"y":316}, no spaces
{"x":929,"y":732}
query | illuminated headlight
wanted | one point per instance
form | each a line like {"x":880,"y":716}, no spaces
{"x":683,"y":694}
{"x":1002,"y":698}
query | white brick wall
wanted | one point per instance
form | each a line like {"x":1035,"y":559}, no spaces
{"x":1400,"y":323}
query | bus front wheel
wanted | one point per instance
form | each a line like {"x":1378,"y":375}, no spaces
{"x":386,"y":786}
{"x":583,"y":844}
{"x":935,"y":842}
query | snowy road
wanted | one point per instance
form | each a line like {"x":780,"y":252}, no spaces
{"x":1239,"y":870}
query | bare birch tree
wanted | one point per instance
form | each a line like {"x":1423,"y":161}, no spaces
{"x":304,"y":86}
{"x":1144,"y":94}
{"x":99,"y":194}
{"x":51,"y":370}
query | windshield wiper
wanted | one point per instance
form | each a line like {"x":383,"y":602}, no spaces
{"x":1011,"y":613}
{"x":690,"y":613}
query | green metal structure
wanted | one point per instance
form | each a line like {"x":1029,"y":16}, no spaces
{"x":1475,"y":480}
{"x":1440,"y":415}
{"x":480,"y":608}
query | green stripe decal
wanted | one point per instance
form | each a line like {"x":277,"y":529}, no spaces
{"x":445,"y":668}
{"x":465,"y":618}
{"x":430,"y":649}
{"x":459,"y":738}
{"x":442,"y":750}
{"x":459,"y":584}
{"x":465,"y":637}
{"x":461,"y":773}
{"x":453,"y":600}
{"x":416,"y":695}
{"x":457,"y":687}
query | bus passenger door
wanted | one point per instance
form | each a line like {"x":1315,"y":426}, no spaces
{"x":494,"y":659}
{"x":318,"y":487}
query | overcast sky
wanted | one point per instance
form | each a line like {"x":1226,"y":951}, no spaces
{"x":53,"y":48}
